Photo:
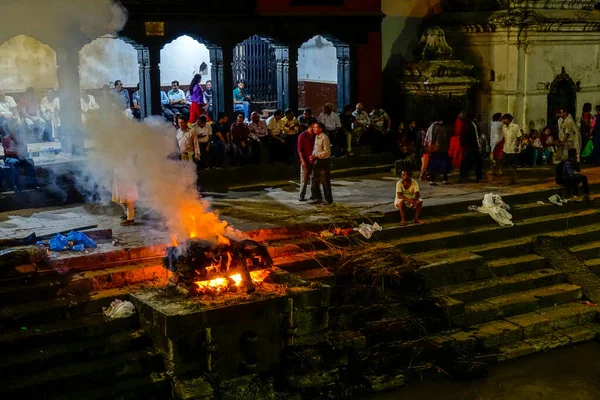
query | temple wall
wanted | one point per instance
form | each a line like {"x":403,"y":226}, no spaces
{"x":317,"y":61}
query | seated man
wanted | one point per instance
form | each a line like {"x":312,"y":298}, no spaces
{"x":203,"y":131}
{"x":208,"y":99}
{"x":123,"y":98}
{"x":15,"y":151}
{"x":306,"y":120}
{"x":361,"y":121}
{"x":381,"y":124}
{"x":221,"y":138}
{"x":572,"y":180}
{"x":408,"y":196}
{"x":240,"y":145}
{"x":136,"y":103}
{"x":50,"y":107}
{"x":276,"y":140}
{"x":241,"y":100}
{"x":187,"y":141}
{"x":333,"y":127}
{"x":9,"y":113}
{"x":164,"y":102}
{"x":290,"y":131}
{"x":259,"y":137}
{"x":177,"y":100}
{"x":88,"y":104}
{"x":30,"y":109}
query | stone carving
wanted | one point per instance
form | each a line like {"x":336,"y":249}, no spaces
{"x":433,"y":45}
{"x":495,"y":5}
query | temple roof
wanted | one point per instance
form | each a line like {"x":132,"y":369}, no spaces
{"x":496,"y":5}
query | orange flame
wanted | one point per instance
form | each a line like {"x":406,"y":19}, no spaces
{"x":198,"y":223}
{"x":220,"y":285}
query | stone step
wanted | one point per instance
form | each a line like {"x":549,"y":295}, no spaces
{"x":447,"y":267}
{"x":80,"y":376}
{"x":20,"y":339}
{"x":515,"y":265}
{"x":319,"y":274}
{"x":559,"y":338}
{"x":478,"y":236}
{"x":515,"y":303}
{"x":492,"y":335}
{"x":151,"y":387}
{"x":594,"y":265}
{"x":81,"y":283}
{"x":492,"y":287}
{"x":71,"y":307}
{"x":35,"y":359}
{"x":586,"y":251}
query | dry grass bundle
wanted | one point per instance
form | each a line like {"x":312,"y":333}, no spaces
{"x":374,"y":263}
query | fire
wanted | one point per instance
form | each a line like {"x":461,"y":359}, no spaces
{"x":199,"y":223}
{"x":220,"y":285}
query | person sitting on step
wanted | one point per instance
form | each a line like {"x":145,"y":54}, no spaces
{"x":408,"y":196}
{"x":572,"y":180}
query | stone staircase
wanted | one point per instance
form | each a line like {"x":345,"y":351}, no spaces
{"x":56,"y":344}
{"x":490,"y":293}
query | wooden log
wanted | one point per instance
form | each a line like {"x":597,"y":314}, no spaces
{"x":26,"y":241}
{"x":11,"y":258}
{"x":98,"y":234}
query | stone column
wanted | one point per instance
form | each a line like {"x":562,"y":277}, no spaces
{"x":227,"y":83}
{"x":216,"y":71}
{"x":283,"y":69}
{"x":344,"y":75}
{"x":145,"y":85}
{"x":70,"y":104}
{"x":154,"y":79}
{"x":293,"y":78}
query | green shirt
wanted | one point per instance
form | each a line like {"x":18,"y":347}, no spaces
{"x":239,"y":95}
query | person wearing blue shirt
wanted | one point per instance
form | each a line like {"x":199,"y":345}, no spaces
{"x":177,"y":102}
{"x":241,"y":100}
{"x":122,"y":95}
{"x":136,"y":100}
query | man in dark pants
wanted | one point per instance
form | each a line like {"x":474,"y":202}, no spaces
{"x":306,"y":145}
{"x":570,"y":178}
{"x":469,"y":141}
{"x":321,"y":175}
{"x":15,"y":151}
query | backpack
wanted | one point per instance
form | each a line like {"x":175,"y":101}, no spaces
{"x":558,"y":173}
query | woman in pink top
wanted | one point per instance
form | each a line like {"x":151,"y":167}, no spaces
{"x":197,"y":99}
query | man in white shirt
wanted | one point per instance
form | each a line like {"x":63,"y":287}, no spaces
{"x":275,"y":125}
{"x":258,"y":137}
{"x":9,"y":113}
{"x":332,"y":125}
{"x":570,"y":131}
{"x":321,"y":175}
{"x":512,"y":145}
{"x":177,"y":100}
{"x":203,"y":132}
{"x":187,"y":141}
{"x":361,"y":120}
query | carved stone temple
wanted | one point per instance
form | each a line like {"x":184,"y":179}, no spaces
{"x":529,"y":56}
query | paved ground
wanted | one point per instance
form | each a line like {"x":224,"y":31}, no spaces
{"x":273,"y":207}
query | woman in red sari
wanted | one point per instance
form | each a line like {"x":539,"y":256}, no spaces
{"x":455,"y":151}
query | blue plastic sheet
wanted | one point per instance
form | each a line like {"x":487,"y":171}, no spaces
{"x":77,"y":247}
{"x":58,"y":243}
{"x":81,"y":238}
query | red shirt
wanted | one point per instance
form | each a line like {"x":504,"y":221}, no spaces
{"x":306,"y":144}
{"x":12,"y":148}
{"x":239,"y":132}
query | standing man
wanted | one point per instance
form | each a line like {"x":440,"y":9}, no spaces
{"x":321,"y":175}
{"x":259,"y":137}
{"x":208,"y":98}
{"x":187,"y":140}
{"x":496,"y":143}
{"x":469,"y":142}
{"x":203,"y":132}
{"x":241,"y":100}
{"x":306,"y":119}
{"x":571,"y":134}
{"x":332,"y":125}
{"x":512,"y":145}
{"x":437,"y":143}
{"x":306,"y":145}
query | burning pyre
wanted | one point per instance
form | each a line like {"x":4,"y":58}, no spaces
{"x":200,"y":267}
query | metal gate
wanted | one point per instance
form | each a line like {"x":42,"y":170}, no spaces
{"x":254,"y":62}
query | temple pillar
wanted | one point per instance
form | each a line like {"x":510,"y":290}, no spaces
{"x":154,"y":79}
{"x":216,"y":71}
{"x":282,"y":71}
{"x":70,"y":104}
{"x":145,"y":81}
{"x":344,"y":75}
{"x":227,"y":83}
{"x":293,"y":78}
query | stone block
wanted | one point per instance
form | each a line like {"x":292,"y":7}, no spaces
{"x":475,"y":313}
{"x":496,"y":333}
{"x":316,"y":380}
{"x":548,"y":342}
{"x":464,"y":340}
{"x":193,"y":389}
{"x":514,"y":350}
{"x":380,"y":383}
{"x":578,"y":333}
{"x":533,"y":324}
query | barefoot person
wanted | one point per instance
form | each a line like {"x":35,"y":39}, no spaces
{"x":124,"y":190}
{"x":408,"y":196}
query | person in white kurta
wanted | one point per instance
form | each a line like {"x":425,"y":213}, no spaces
{"x":571,"y":135}
{"x":408,"y":195}
{"x":50,"y":107}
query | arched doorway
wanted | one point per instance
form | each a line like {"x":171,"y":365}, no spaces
{"x":28,"y":63}
{"x":563,"y":94}
{"x":256,"y":62}
{"x":317,"y":74}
